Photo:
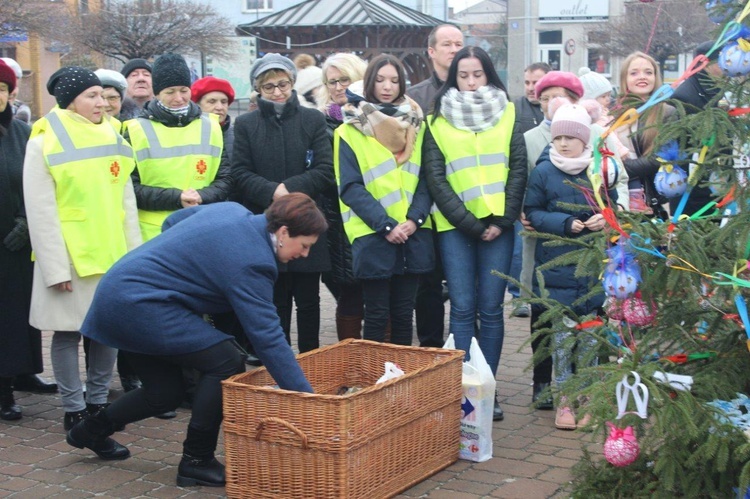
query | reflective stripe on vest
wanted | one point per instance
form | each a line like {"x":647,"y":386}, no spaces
{"x":392,"y":186}
{"x":174,"y":157}
{"x":90,"y":183}
{"x":474,"y":167}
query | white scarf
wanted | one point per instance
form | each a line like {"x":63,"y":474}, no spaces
{"x":571,"y":166}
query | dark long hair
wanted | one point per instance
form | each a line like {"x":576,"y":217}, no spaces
{"x":452,"y":80}
{"x":372,"y":73}
{"x":299,"y":213}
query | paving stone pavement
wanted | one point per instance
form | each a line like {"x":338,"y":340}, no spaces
{"x":531,"y":458}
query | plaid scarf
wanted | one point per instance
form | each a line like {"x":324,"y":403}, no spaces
{"x":475,"y":111}
{"x":395,"y":126}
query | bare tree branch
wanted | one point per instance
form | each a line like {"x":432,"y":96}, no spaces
{"x":124,"y":29}
{"x":45,"y":17}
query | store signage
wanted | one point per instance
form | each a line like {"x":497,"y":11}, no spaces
{"x":555,"y":11}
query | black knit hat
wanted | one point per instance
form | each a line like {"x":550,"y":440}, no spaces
{"x":170,"y":70}
{"x":69,"y":82}
{"x":134,"y":64}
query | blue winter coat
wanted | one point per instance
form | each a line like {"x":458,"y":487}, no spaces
{"x":546,"y":190}
{"x":209,"y":259}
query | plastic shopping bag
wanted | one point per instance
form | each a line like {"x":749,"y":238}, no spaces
{"x":476,"y":404}
{"x":391,"y":371}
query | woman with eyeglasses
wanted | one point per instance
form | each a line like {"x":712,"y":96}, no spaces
{"x":281,"y":148}
{"x":179,"y":150}
{"x":339,"y":72}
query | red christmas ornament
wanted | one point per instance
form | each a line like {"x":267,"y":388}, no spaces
{"x":636,"y":312}
{"x":621,"y":447}
{"x":613,"y":308}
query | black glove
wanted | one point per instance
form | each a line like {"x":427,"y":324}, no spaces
{"x":18,"y":238}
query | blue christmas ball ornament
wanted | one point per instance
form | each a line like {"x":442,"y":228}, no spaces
{"x":734,"y":60}
{"x":670,"y":181}
{"x":718,"y":12}
{"x":621,"y":283}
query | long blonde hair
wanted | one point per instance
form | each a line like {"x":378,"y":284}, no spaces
{"x":627,"y":100}
{"x":350,"y":66}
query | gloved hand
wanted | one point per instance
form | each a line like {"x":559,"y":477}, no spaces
{"x":17,"y":238}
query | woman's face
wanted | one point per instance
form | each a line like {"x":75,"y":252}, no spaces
{"x":568,"y":147}
{"x":290,"y":248}
{"x":386,"y":84}
{"x":217,"y":103}
{"x":174,"y":97}
{"x":112,"y":101}
{"x":277,"y":88}
{"x":548,"y":94}
{"x":340,"y":83}
{"x":471,"y":75}
{"x":4,"y":96}
{"x":641,"y":77}
{"x":89,"y":104}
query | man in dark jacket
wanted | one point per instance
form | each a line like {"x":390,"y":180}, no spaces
{"x":528,"y":110}
{"x":443,"y":43}
{"x":696,"y":93}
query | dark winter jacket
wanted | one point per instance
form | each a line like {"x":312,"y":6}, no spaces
{"x":546,"y":191}
{"x":292,"y":149}
{"x":227,"y":130}
{"x":424,"y":93}
{"x":451,"y":206}
{"x":20,"y":344}
{"x":695,"y":93}
{"x":528,"y":115}
{"x":373,"y":256}
{"x":209,"y":259}
{"x":168,"y":198}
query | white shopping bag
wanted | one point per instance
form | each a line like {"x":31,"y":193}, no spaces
{"x":477,"y":403}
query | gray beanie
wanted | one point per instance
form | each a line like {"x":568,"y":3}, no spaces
{"x":170,"y":70}
{"x":272,"y":61}
{"x":112,"y":79}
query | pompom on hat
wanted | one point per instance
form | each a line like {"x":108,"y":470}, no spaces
{"x":112,"y":79}
{"x":8,"y":76}
{"x":272,"y":61}
{"x":573,"y":120}
{"x":594,"y":84}
{"x":209,"y":84}
{"x":562,"y":79}
{"x":69,"y":82}
{"x":170,"y":70}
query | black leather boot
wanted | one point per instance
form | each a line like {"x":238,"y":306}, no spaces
{"x":541,"y":397}
{"x":497,"y":411}
{"x":9,"y":411}
{"x":93,"y":433}
{"x":34,"y":384}
{"x":200,"y":471}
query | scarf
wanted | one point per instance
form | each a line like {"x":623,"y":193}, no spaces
{"x":395,"y":126}
{"x":334,"y":112}
{"x":180,"y":111}
{"x":475,"y":111}
{"x":571,"y":166}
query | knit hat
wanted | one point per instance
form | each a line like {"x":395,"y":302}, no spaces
{"x":7,"y":76}
{"x":272,"y":61}
{"x":208,"y":84}
{"x":559,"y":79}
{"x":594,"y":84}
{"x":308,"y":79}
{"x":112,"y":79}
{"x":134,"y":64}
{"x":14,"y":66}
{"x":170,"y":70}
{"x":572,"y":120}
{"x":69,"y":82}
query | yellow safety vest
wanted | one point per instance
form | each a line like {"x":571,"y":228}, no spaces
{"x":476,"y":165}
{"x":91,"y":165}
{"x":174,"y":157}
{"x":391,"y":185}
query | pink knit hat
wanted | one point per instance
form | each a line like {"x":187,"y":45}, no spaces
{"x":562,"y":79}
{"x":571,"y":120}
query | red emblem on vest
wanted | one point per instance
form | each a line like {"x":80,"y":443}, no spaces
{"x":201,"y":167}
{"x":114,"y":169}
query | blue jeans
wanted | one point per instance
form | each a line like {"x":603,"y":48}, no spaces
{"x":468,"y":264}
{"x":515,"y":263}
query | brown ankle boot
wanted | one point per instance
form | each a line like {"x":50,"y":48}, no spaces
{"x":348,"y":326}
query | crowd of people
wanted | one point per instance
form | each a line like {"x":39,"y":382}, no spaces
{"x":177,"y":241}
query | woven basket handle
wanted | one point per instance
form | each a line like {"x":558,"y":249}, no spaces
{"x":286,"y":424}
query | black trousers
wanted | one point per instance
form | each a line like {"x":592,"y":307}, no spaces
{"x":542,"y":369}
{"x":304,"y":288}
{"x":430,"y":309}
{"x":390,"y":298}
{"x":164,"y":388}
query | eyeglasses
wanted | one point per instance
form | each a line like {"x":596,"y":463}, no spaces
{"x":344,"y":81}
{"x":283,"y":85}
{"x":112,"y":98}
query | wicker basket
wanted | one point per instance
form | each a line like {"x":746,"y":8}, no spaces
{"x":373,"y":443}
